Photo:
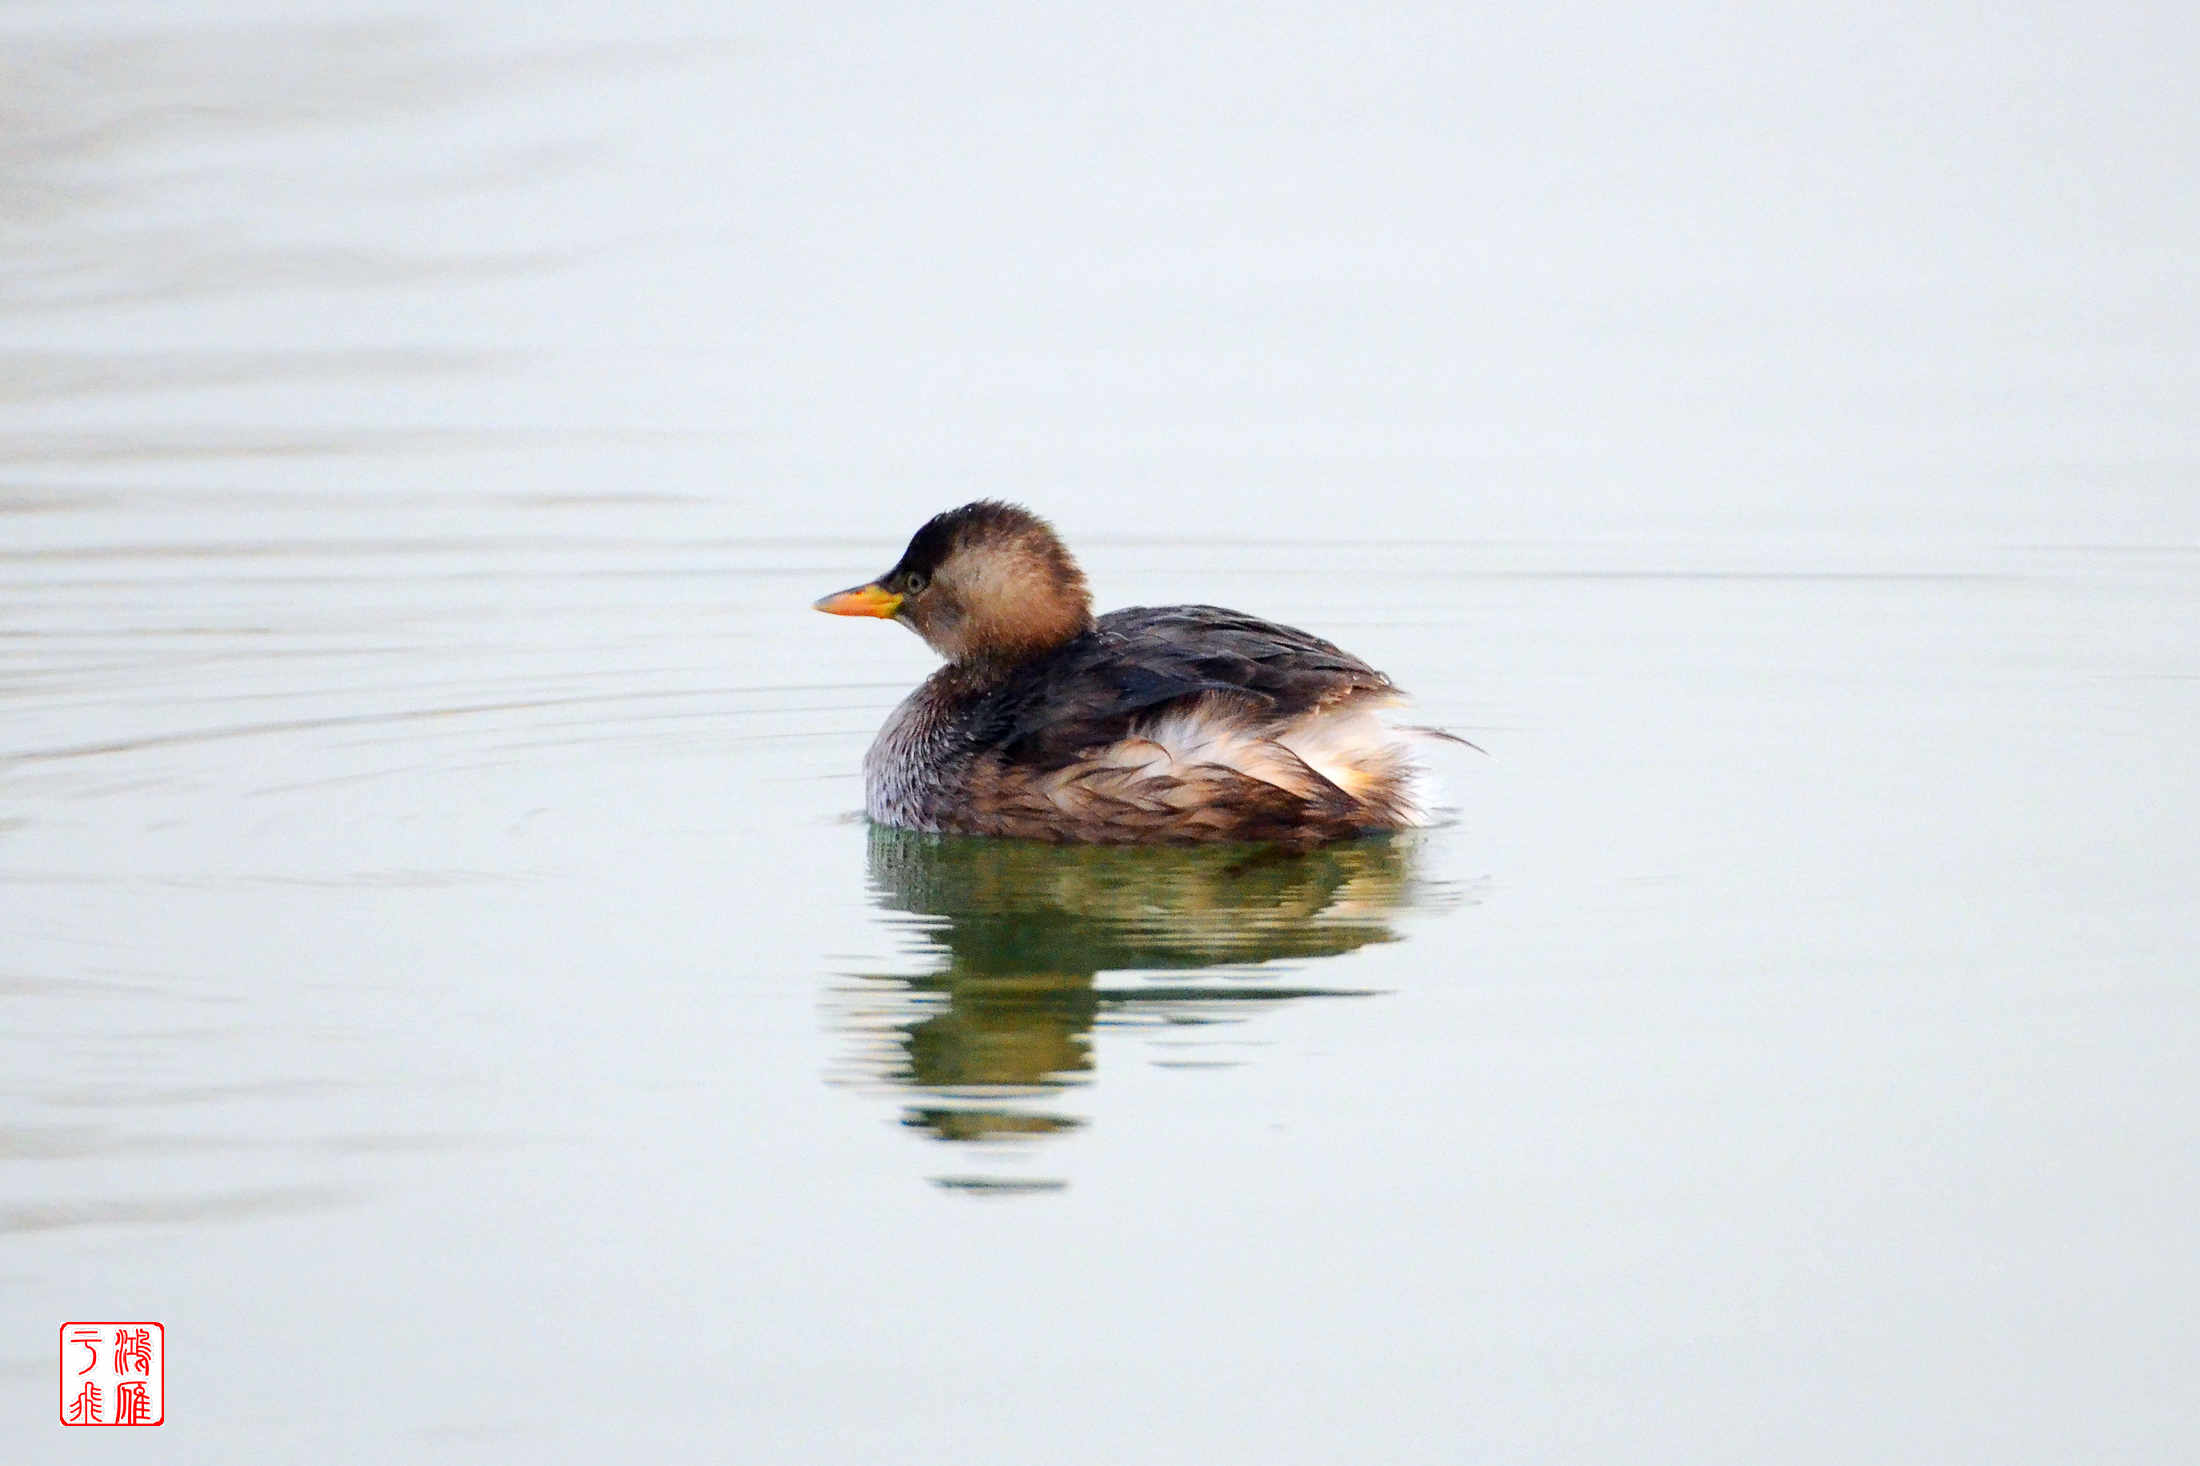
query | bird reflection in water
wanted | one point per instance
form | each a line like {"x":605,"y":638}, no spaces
{"x":1036,"y":945}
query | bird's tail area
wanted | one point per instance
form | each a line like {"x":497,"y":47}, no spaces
{"x":1381,"y":764}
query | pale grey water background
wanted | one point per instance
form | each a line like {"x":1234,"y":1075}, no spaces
{"x":444,"y":982}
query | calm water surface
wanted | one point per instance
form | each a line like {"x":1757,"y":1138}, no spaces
{"x":448,"y":982}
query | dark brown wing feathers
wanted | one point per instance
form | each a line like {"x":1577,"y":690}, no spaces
{"x":1138,"y":663}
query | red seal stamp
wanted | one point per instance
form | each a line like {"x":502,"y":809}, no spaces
{"x":112,"y":1374}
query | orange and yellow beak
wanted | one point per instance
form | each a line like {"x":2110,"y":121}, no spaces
{"x":863,"y":600}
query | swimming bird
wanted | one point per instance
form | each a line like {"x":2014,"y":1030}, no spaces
{"x":1160,"y":724}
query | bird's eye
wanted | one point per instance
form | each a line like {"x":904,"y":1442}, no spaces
{"x":914,"y":582}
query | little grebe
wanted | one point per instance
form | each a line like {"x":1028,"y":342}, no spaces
{"x":1153,"y":724}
